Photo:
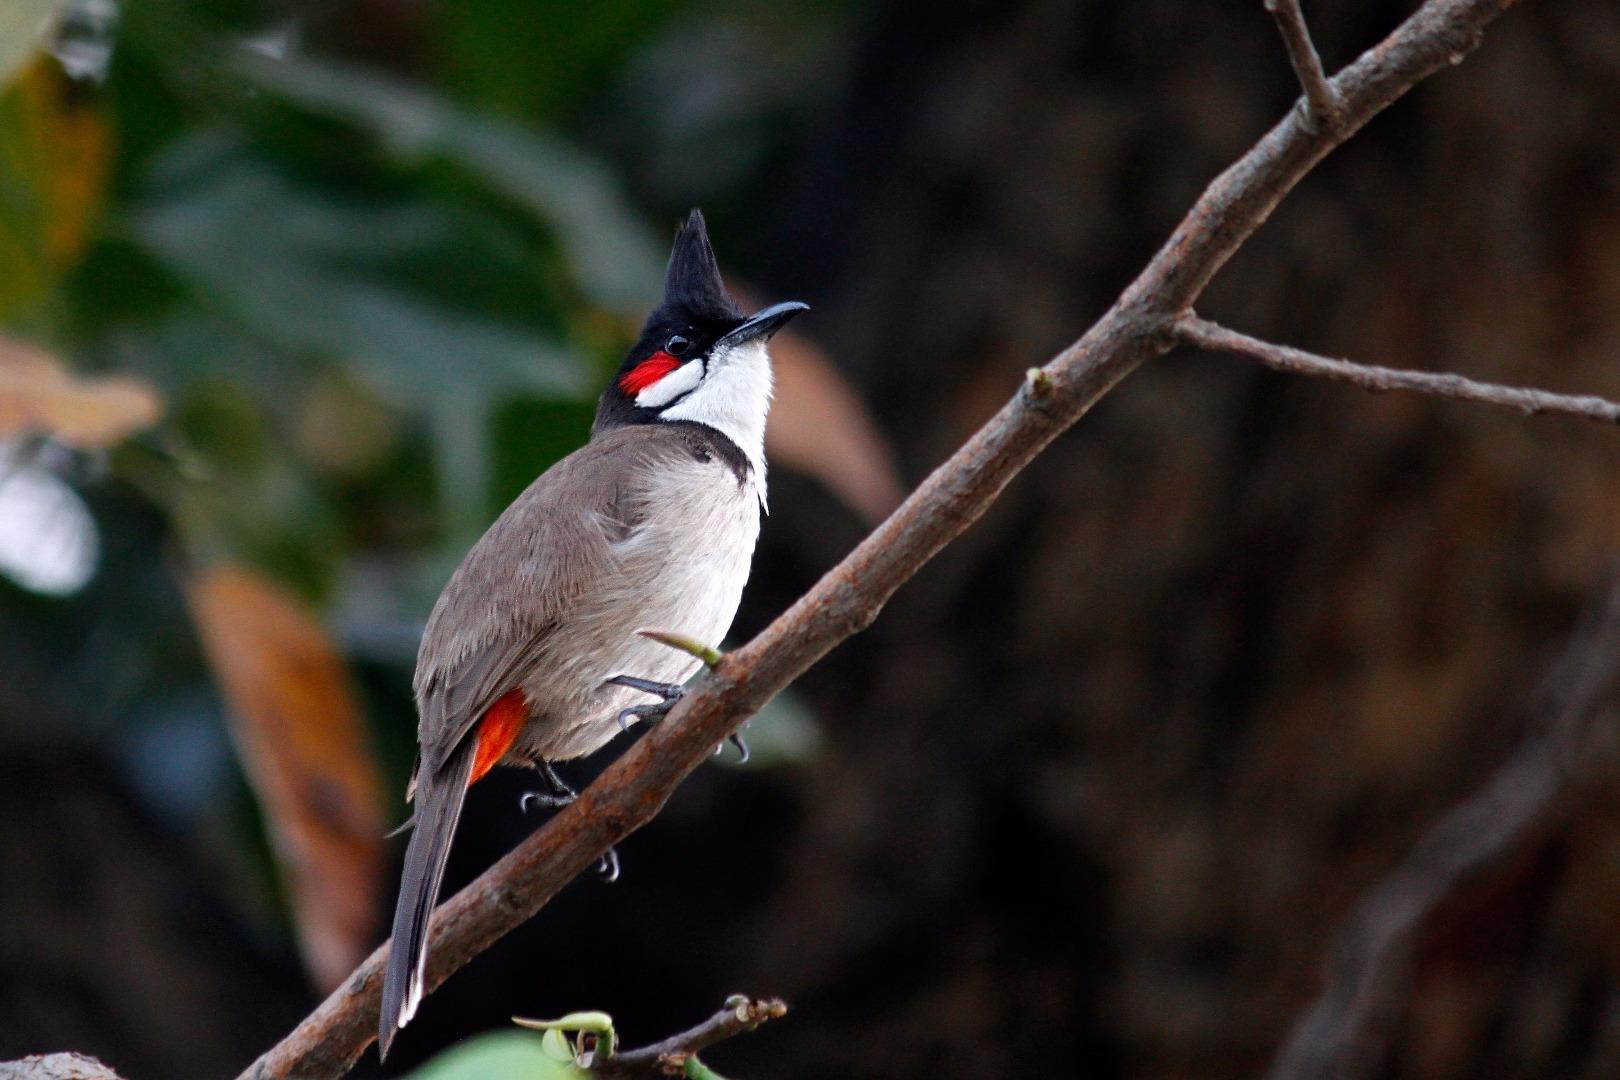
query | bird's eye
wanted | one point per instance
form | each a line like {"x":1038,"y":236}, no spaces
{"x":677,"y":345}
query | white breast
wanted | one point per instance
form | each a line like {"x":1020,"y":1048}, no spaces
{"x":682,"y":570}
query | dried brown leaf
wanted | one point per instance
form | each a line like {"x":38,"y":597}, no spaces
{"x":38,"y":395}
{"x":298,"y":728}
{"x":820,"y":427}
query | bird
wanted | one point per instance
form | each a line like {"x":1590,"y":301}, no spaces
{"x":531,"y":654}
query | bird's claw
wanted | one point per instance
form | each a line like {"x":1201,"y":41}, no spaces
{"x":559,"y":796}
{"x":668,"y":693}
{"x":607,"y":867}
{"x":642,"y":712}
{"x":736,"y":739}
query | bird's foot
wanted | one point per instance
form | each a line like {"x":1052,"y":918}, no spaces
{"x":668,"y":693}
{"x":559,"y":796}
{"x":607,"y":867}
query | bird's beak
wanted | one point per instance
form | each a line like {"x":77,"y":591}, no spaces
{"x":762,"y":323}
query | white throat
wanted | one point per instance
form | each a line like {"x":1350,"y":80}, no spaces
{"x":734,"y":398}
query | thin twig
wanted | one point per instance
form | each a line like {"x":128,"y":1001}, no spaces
{"x":1138,"y":327}
{"x":1321,"y":100}
{"x":1344,"y":1034}
{"x":668,"y":1055}
{"x":1207,"y":335}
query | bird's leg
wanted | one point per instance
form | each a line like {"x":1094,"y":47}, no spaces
{"x":670,"y":693}
{"x":559,"y":796}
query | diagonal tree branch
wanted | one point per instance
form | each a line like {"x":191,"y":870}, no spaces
{"x":1321,"y":100}
{"x":1207,"y":335}
{"x":1343,"y":1034}
{"x":1139,"y":326}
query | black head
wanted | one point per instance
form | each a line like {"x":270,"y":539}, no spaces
{"x":686,"y":338}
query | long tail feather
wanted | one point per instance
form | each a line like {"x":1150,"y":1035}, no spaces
{"x":439,"y":795}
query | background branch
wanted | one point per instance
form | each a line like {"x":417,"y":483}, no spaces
{"x":1321,"y":100}
{"x":1344,"y":1033}
{"x":1207,"y":335}
{"x":1139,"y":326}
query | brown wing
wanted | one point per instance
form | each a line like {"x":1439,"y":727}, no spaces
{"x":552,"y":545}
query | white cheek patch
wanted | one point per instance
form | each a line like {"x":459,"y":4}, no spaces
{"x":733,"y":400}
{"x":682,"y":380}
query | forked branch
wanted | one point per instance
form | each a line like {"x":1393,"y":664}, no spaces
{"x":1321,"y":100}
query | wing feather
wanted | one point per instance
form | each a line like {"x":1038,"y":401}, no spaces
{"x":554,"y":544}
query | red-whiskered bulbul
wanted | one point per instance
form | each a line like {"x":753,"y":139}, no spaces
{"x":531,"y":654}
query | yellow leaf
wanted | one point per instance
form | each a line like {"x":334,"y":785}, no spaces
{"x":39,"y":396}
{"x":55,"y":150}
{"x":298,"y":729}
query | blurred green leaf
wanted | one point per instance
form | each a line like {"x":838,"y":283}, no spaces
{"x":502,"y":1055}
{"x":311,"y":270}
{"x":514,"y":59}
{"x":530,"y":434}
{"x":617,"y":261}
{"x":255,"y":505}
{"x":382,"y":284}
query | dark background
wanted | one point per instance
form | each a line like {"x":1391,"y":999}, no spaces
{"x":1095,"y":792}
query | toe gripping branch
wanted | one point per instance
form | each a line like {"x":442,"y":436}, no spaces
{"x":560,"y":795}
{"x":669,"y":693}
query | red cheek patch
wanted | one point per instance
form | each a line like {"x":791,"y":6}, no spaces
{"x":647,"y":372}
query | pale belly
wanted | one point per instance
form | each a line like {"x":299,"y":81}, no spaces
{"x":682,"y":571}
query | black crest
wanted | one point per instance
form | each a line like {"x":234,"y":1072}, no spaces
{"x":693,"y":290}
{"x":682,"y":332}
